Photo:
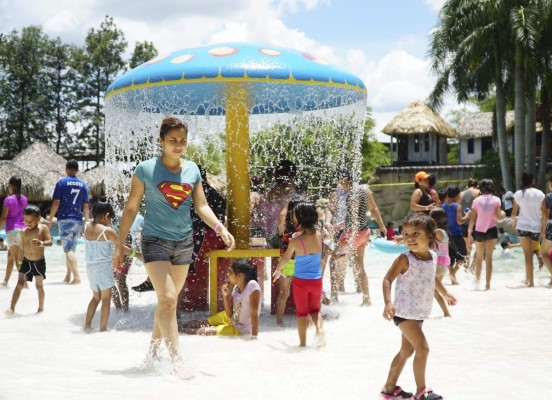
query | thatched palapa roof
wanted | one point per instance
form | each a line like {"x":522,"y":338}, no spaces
{"x":40,"y":160}
{"x":95,"y":179}
{"x":418,"y":118}
{"x":32,"y":185}
{"x":38,"y":157}
{"x":480,"y":125}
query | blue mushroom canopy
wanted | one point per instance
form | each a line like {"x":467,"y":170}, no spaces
{"x":195,"y":81}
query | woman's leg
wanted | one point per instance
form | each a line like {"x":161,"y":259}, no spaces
{"x":479,"y":253}
{"x":440,"y":300}
{"x":397,"y":365}
{"x":338,"y":264}
{"x":91,"y":310}
{"x":12,"y":257}
{"x":489,"y":248}
{"x":360,"y":272}
{"x":527,"y":246}
{"x":546,"y":245}
{"x":412,"y":330}
{"x":167,"y":281}
{"x":284,"y":285}
{"x":106,"y":307}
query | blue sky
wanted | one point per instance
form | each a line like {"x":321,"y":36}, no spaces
{"x":376,"y":26}
{"x":384,"y":42}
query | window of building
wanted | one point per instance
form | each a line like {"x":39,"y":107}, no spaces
{"x":416,"y":143}
{"x":471,"y":146}
{"x":426,"y":142}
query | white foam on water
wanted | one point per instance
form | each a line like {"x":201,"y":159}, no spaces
{"x":498,"y":345}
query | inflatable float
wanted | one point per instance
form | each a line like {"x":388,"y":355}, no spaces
{"x":388,"y":246}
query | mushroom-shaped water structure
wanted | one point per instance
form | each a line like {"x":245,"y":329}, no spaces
{"x":230,"y":82}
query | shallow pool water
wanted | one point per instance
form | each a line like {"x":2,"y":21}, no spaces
{"x":498,"y":345}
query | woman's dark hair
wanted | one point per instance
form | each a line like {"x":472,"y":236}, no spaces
{"x":285,"y":169}
{"x":343,"y":173}
{"x":289,"y":215}
{"x":170,"y":123}
{"x":244,"y":266}
{"x":440,"y":217}
{"x":306,"y":215}
{"x":101,"y":208}
{"x":31,"y":209}
{"x":256,"y":183}
{"x":453,"y":191}
{"x":472,"y":182}
{"x":390,"y":224}
{"x":423,"y":221}
{"x":15,"y":183}
{"x":432,"y":180}
{"x":527,"y":180}
{"x":486,"y":186}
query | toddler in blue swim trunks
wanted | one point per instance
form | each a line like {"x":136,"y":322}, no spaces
{"x":99,"y":241}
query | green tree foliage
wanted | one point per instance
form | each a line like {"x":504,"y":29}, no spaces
{"x":316,"y":145}
{"x":374,"y":153}
{"x":24,"y":94}
{"x":61,"y":79}
{"x":452,"y":154}
{"x":143,"y":51}
{"x":210,"y":154}
{"x":489,"y":169}
{"x":99,"y":63}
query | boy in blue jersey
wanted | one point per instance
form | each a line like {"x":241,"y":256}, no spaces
{"x":70,"y":200}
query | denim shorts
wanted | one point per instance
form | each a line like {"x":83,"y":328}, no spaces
{"x":178,"y":252}
{"x":70,"y":231}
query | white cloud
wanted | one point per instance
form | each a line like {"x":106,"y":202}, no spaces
{"x":393,"y":81}
{"x":435,"y":5}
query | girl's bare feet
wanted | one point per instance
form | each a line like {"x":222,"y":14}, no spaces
{"x":9,"y":312}
{"x":67,"y":278}
{"x":366,"y":302}
{"x":76,"y":281}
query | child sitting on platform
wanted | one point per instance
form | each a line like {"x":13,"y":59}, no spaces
{"x":242,"y":306}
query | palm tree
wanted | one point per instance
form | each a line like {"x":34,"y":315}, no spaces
{"x":468,"y":50}
{"x":543,"y":66}
{"x":523,"y":27}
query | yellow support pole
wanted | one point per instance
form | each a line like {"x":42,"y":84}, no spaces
{"x":237,"y":163}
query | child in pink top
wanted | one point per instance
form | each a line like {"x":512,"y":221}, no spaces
{"x":12,"y":216}
{"x":486,"y":209}
{"x":439,"y":215}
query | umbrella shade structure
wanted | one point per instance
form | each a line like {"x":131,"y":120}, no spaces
{"x":236,"y":84}
{"x":31,"y":185}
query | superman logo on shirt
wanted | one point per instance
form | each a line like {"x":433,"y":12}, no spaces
{"x":175,"y":193}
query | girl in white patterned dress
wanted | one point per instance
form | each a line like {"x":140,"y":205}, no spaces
{"x":416,"y":283}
